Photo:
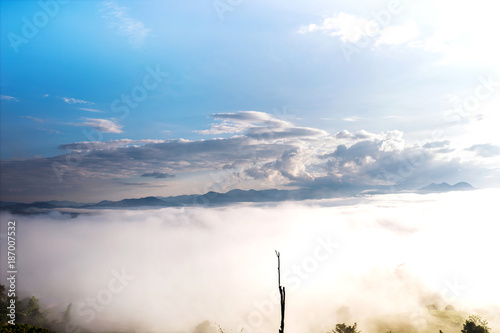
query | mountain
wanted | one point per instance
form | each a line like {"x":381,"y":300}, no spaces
{"x":64,"y":203}
{"x":445,"y":187}
{"x":213,"y":198}
{"x":127,"y":203}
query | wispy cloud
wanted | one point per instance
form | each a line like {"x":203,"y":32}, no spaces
{"x":71,"y":100}
{"x":102,"y":125}
{"x":258,"y":125}
{"x":49,"y":130}
{"x":8,"y":98}
{"x":91,"y":110}
{"x":126,"y":25}
{"x":485,"y":150}
{"x":33,"y":118}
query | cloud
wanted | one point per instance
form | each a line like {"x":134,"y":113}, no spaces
{"x":157,"y":175}
{"x":259,"y":125}
{"x":432,"y":28}
{"x":268,"y":153}
{"x":105,"y":145}
{"x":91,"y":110}
{"x":33,"y":118}
{"x":335,"y":254}
{"x":126,"y":25}
{"x":485,"y":150}
{"x":102,"y":125}
{"x":71,"y":100}
{"x":350,"y":28}
{"x":8,"y":98}
{"x":437,"y":144}
{"x":398,"y":34}
{"x":49,"y":130}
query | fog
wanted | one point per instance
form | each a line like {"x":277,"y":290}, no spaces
{"x":380,"y":261}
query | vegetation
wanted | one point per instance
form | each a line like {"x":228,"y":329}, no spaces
{"x":29,"y":316}
{"x":343,"y":328}
{"x":475,"y":325}
{"x":31,"y":319}
{"x":23,"y":328}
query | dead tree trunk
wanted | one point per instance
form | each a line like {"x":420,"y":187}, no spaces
{"x":282,"y":296}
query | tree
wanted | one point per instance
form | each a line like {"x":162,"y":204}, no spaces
{"x":343,"y":328}
{"x":475,"y":325}
{"x":29,"y":311}
{"x":4,"y":302}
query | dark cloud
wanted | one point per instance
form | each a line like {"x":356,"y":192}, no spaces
{"x":157,"y":175}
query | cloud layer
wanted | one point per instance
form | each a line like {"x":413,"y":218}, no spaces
{"x":263,"y":152}
{"x":182,"y":266}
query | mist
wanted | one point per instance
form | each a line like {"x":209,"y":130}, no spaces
{"x":381,"y":261}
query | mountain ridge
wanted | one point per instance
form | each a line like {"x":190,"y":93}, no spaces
{"x":213,"y":198}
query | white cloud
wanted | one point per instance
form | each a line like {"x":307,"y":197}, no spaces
{"x":9,"y":98}
{"x":71,"y":100}
{"x":347,"y":27}
{"x":461,"y":32}
{"x":398,"y":34}
{"x":91,"y":110}
{"x":33,"y":118}
{"x":353,"y":29}
{"x":128,"y":26}
{"x":106,"y":145}
{"x":378,"y":256}
{"x":102,"y":125}
{"x":259,"y":125}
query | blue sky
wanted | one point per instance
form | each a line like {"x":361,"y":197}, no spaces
{"x":245,"y":95}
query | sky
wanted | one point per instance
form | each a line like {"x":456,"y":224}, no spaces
{"x":120,"y":99}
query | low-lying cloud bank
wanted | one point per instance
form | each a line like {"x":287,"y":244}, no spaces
{"x":367,"y":260}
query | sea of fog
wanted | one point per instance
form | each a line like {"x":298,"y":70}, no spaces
{"x":374,"y":260}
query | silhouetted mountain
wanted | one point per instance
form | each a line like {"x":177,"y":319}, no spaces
{"x":445,"y":187}
{"x":65,"y":203}
{"x":128,"y":203}
{"x":218,"y":199}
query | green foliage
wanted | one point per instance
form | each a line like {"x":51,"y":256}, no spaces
{"x":30,"y":317}
{"x":475,"y":325}
{"x":3,"y":305}
{"x":29,"y":311}
{"x":343,"y":328}
{"x":23,"y":328}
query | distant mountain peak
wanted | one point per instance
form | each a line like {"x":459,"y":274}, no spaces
{"x":445,"y":187}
